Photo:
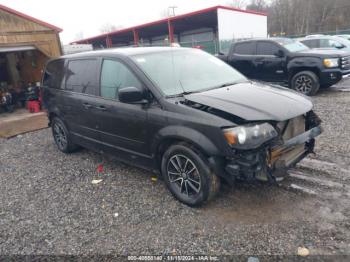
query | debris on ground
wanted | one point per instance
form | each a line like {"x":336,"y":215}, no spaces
{"x":303,"y":251}
{"x":100,"y":169}
{"x":96,"y":181}
{"x":253,"y":259}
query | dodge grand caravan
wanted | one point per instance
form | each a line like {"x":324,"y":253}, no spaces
{"x":178,"y":111}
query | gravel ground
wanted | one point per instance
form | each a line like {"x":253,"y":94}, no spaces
{"x":50,"y":206}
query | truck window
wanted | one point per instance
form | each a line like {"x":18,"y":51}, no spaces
{"x":266,"y":48}
{"x":312,"y":43}
{"x":246,"y":48}
{"x":330,"y":43}
{"x":54,"y":73}
{"x":81,"y":76}
{"x":116,"y":75}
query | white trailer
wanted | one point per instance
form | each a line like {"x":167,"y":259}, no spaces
{"x":236,"y":25}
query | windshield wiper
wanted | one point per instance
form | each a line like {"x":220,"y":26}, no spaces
{"x":226,"y":85}
{"x":182,"y":94}
{"x":229,"y":84}
{"x":191,"y":92}
{"x":203,"y":90}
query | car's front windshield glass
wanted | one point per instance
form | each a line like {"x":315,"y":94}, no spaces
{"x":341,"y":41}
{"x":347,"y":37}
{"x":179,"y":71}
{"x":292,"y":45}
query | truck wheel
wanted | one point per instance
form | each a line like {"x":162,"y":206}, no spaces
{"x":62,"y":137}
{"x":187,"y":175}
{"x":306,"y":82}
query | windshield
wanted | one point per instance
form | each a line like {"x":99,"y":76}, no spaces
{"x":342,"y":41}
{"x":292,"y":45}
{"x":347,"y":37}
{"x":181,"y":71}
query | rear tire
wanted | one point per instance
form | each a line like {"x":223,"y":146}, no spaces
{"x":188,"y":176}
{"x":62,"y":136}
{"x":305,"y":82}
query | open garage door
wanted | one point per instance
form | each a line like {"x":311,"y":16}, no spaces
{"x":5,"y":49}
{"x":20,"y":65}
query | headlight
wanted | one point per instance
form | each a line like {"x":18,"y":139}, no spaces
{"x":331,"y":62}
{"x":247,"y":137}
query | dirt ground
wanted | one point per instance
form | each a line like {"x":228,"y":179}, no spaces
{"x":49,"y":205}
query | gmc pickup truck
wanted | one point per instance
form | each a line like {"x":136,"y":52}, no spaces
{"x":289,"y":63}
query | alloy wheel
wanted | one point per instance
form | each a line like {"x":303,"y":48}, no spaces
{"x":183,"y":174}
{"x":304,"y":84}
{"x":60,"y":136}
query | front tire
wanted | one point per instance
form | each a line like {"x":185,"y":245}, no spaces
{"x":305,"y":82}
{"x":62,"y":137}
{"x":188,"y":176}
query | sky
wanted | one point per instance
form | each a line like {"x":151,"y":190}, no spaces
{"x":85,"y":18}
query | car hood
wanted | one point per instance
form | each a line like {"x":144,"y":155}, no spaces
{"x":324,"y":52}
{"x":254,"y":101}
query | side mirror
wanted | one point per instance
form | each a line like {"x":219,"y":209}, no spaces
{"x":279,"y":53}
{"x":132,"y":95}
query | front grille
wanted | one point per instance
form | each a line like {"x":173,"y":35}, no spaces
{"x":345,"y":63}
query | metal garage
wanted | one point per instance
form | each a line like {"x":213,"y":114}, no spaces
{"x":210,"y":29}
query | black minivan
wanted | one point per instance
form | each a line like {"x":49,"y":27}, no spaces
{"x":178,"y":111}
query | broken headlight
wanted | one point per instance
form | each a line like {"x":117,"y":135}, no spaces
{"x":249,"y":136}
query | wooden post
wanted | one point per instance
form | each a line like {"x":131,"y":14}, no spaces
{"x":108,"y":41}
{"x":171,"y":32}
{"x":136,"y":37}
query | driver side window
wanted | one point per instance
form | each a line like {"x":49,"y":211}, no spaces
{"x":115,"y":75}
{"x":265,"y":48}
{"x":329,"y":43}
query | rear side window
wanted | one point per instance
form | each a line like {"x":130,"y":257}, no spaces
{"x":81,"y":76}
{"x":54,"y":73}
{"x":324,"y":43}
{"x":330,"y":43}
{"x":266,"y":48}
{"x":247,"y":48}
{"x":312,"y":43}
{"x":114,"y":76}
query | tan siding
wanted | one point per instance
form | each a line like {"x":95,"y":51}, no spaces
{"x":13,"y":23}
{"x":46,"y":42}
{"x":15,"y":30}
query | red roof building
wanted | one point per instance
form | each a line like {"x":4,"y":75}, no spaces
{"x":209,"y":28}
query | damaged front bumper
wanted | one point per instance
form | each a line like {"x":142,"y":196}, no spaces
{"x":271,"y":161}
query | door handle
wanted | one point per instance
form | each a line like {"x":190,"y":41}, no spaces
{"x":102,"y":108}
{"x":259,"y":61}
{"x":87,"y":105}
